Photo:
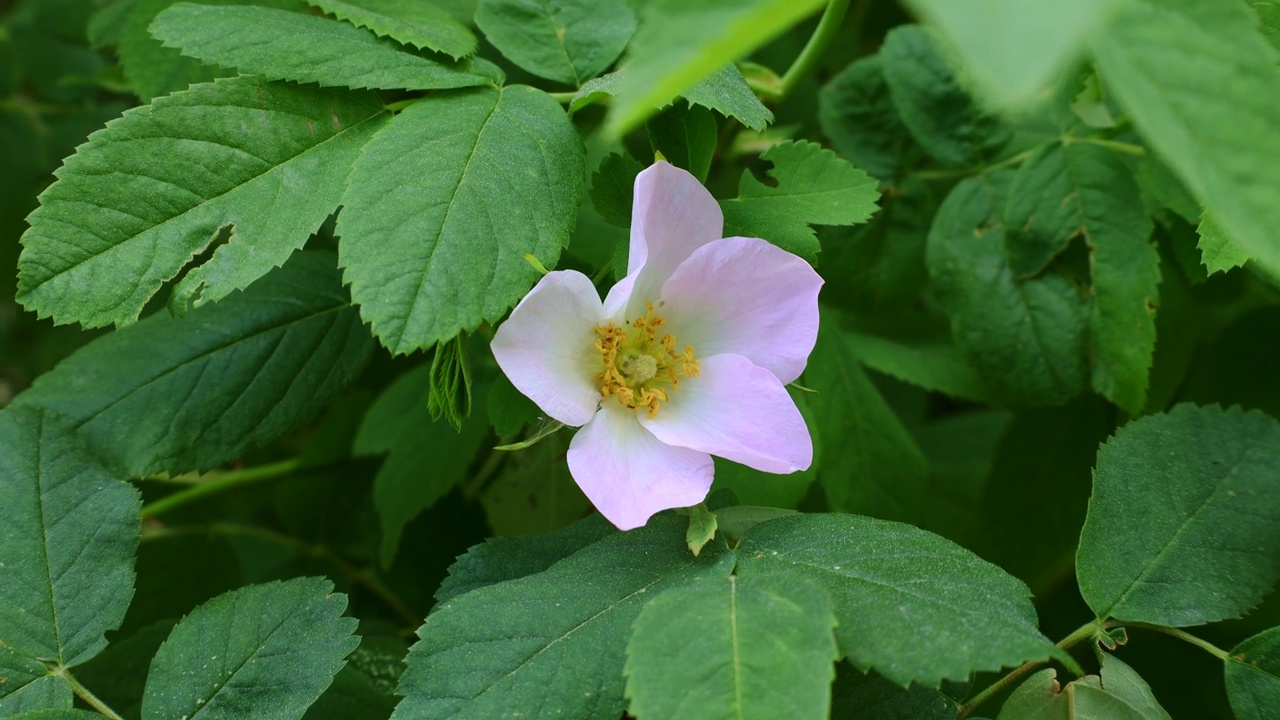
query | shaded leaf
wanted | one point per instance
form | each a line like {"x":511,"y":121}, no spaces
{"x":612,"y":188}
{"x":169,"y":395}
{"x":858,"y":114}
{"x":1025,"y":337}
{"x":686,"y":136}
{"x":932,"y":103}
{"x":870,"y":463}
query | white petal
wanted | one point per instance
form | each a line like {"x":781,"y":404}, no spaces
{"x":672,"y":215}
{"x":747,"y":297}
{"x":547,"y":346}
{"x":737,"y":411}
{"x":629,"y":474}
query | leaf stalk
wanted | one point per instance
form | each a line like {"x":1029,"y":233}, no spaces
{"x":828,"y":28}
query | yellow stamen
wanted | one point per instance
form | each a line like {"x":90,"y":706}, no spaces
{"x":641,"y":367}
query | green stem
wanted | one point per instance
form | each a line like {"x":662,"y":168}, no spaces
{"x":564,"y":98}
{"x":83,"y":693}
{"x":1205,"y":645}
{"x":396,"y":107}
{"x":1084,"y":632}
{"x":1123,"y":147}
{"x":828,"y":28}
{"x":221,"y":483}
{"x":315,"y":550}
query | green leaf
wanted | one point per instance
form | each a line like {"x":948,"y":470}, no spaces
{"x":932,"y":103}
{"x":508,"y":409}
{"x":107,"y":24}
{"x":1120,"y":694}
{"x":702,"y":528}
{"x":921,"y":357}
{"x":155,"y":70}
{"x":1076,"y":188}
{"x":449,"y":395}
{"x":59,"y":715}
{"x":28,"y":684}
{"x":1268,"y":14}
{"x":501,"y":165}
{"x":1015,"y":48}
{"x":1123,"y":682}
{"x":413,"y":22}
{"x":169,"y":395}
{"x":1252,"y":674}
{"x":283,"y":45}
{"x":352,"y":696}
{"x":1032,"y":528}
{"x":1203,"y":88}
{"x":812,"y":185}
{"x":425,"y":458}
{"x":534,"y":492}
{"x":118,"y":675}
{"x":612,"y":188}
{"x":725,"y":90}
{"x":733,"y":648}
{"x":870,"y":463}
{"x":1210,"y":547}
{"x":1218,"y":251}
{"x":855,"y":696}
{"x":263,"y":651}
{"x":500,"y":559}
{"x":132,"y":207}
{"x":555,"y":639}
{"x":858,"y":114}
{"x":1025,"y":337}
{"x":888,"y":580}
{"x":68,"y":536}
{"x":686,"y":136}
{"x":681,"y":42}
{"x":569,"y":41}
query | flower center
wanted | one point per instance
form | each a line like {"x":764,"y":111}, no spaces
{"x":641,"y":366}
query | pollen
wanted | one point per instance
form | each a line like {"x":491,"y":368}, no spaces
{"x":640,"y":365}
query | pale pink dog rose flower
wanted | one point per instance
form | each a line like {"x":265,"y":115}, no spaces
{"x":686,"y":358}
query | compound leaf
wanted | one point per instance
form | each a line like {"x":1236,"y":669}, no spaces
{"x":569,"y":41}
{"x":735,"y":648}
{"x":1184,"y":523}
{"x":444,"y":203}
{"x":262,"y":651}
{"x":153,"y":189}
{"x":169,"y":395}
{"x":282,"y":45}
{"x":555,"y":639}
{"x":68,"y":537}
{"x":887,"y":581}
{"x":419,"y":23}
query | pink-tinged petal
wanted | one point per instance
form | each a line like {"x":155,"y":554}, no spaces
{"x":628,"y":474}
{"x":672,"y":215}
{"x":547,"y":346}
{"x":746,"y":297}
{"x":737,"y":411}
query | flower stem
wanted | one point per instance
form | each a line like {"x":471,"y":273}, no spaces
{"x":564,"y":98}
{"x":83,"y":693}
{"x":808,"y":59}
{"x":219,"y":484}
{"x":1084,"y":632}
{"x":1122,"y":147}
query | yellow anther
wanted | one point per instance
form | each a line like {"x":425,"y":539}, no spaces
{"x":639,"y":366}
